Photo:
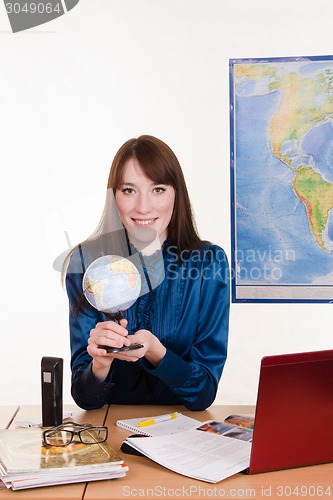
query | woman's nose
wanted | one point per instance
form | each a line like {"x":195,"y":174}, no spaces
{"x":143,"y":204}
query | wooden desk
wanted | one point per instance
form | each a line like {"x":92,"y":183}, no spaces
{"x":148,"y":480}
{"x":62,"y":492}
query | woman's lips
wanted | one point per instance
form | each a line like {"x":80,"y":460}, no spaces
{"x":144,"y":222}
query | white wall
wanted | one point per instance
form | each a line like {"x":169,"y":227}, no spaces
{"x":72,"y":91}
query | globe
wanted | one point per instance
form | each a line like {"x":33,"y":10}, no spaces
{"x":111,"y":284}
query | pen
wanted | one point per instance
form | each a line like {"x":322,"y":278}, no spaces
{"x":156,"y":420}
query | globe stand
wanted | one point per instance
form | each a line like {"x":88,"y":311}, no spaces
{"x":115,"y":317}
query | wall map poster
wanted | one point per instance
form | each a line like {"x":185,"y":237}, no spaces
{"x":282,"y":179}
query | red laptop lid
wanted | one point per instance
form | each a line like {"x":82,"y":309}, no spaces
{"x":294,"y":412}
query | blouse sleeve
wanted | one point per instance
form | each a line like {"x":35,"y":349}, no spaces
{"x":195,"y":380}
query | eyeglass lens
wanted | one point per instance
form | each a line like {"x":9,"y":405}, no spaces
{"x":63,"y":437}
{"x":95,"y":435}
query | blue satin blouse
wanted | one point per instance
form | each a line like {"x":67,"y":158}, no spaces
{"x":188,"y":311}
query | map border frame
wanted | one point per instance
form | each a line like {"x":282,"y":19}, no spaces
{"x":281,"y":289}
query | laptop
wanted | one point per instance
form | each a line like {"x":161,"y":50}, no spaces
{"x":293,"y":423}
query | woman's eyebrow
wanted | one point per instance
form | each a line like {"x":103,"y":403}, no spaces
{"x":127,"y":184}
{"x":132,"y":184}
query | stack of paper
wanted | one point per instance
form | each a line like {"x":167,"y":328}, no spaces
{"x":26,"y":463}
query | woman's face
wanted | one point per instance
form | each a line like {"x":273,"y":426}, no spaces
{"x":145,"y":208}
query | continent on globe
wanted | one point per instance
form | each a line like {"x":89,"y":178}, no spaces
{"x":96,"y":288}
{"x":111,"y":284}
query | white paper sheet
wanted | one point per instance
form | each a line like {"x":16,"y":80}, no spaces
{"x":201,"y":455}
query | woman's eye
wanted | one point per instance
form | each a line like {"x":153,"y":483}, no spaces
{"x":159,"y":189}
{"x":127,"y":190}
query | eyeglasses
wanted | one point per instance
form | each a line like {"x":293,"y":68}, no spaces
{"x":64,"y":434}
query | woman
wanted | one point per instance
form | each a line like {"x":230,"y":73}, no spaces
{"x":181,"y":318}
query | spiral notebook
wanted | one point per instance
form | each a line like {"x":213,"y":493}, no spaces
{"x":172,"y":426}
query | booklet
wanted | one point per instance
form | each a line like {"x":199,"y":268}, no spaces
{"x":159,"y":425}
{"x":209,"y":452}
{"x":25,"y":462}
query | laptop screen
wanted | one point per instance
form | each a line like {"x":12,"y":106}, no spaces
{"x":294,"y":412}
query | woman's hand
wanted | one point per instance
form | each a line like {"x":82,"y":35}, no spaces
{"x":108,"y":333}
{"x":152,"y":348}
{"x":113,"y":334}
